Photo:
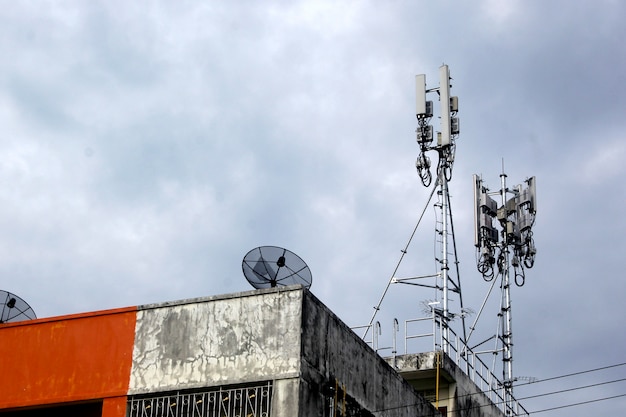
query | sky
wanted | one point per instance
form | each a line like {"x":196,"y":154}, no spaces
{"x":147,"y":146}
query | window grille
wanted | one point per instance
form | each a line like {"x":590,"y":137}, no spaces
{"x":250,"y":401}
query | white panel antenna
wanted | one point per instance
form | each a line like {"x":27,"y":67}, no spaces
{"x":420,"y":95}
{"x":444,"y":96}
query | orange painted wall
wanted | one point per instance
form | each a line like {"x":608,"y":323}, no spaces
{"x":114,"y":407}
{"x":69,"y":358}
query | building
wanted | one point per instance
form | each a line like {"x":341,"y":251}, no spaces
{"x":469,"y":392}
{"x":276,"y":352}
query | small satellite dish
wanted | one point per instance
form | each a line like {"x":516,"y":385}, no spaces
{"x":271,"y":266}
{"x":13,"y":308}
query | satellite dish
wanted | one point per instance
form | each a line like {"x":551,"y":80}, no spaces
{"x":13,"y":308}
{"x":271,"y":266}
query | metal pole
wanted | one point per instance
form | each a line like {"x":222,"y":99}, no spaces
{"x":444,"y":258}
{"x":507,"y":359}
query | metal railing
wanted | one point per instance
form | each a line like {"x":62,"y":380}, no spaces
{"x":467,"y":360}
{"x":432,"y":333}
{"x":470,"y":363}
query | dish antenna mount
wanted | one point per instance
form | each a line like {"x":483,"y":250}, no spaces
{"x":13,"y":308}
{"x":271,"y":266}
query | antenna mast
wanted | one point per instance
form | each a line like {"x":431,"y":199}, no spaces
{"x":516,"y":217}
{"x":515,"y":248}
{"x":445,"y":148}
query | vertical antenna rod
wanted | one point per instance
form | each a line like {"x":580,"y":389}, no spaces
{"x":444,"y":263}
{"x":507,"y":333}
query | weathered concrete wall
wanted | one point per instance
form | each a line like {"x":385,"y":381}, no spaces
{"x":469,"y":400}
{"x":285,"y":398}
{"x":239,"y":338}
{"x":284,"y":335}
{"x":456,"y":390}
{"x":333,"y":352}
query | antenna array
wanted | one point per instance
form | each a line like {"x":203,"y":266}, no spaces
{"x":498,"y":251}
{"x":512,"y":246}
{"x":445,"y":148}
{"x":439,"y":311}
{"x":516,"y":217}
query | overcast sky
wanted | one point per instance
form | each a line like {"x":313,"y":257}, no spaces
{"x":148,"y":146}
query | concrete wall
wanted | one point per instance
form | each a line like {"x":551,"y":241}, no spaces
{"x":469,"y":401}
{"x":283,"y":335}
{"x":239,"y":338}
{"x":331,"y":352}
{"x":457,"y":391}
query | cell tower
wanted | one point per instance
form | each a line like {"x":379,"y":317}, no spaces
{"x":498,"y":253}
{"x":445,"y":148}
{"x":513,"y":246}
{"x":446,"y":281}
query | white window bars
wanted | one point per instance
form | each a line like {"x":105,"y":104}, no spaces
{"x":249,"y":401}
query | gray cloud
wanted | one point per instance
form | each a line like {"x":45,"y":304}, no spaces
{"x":147,"y":147}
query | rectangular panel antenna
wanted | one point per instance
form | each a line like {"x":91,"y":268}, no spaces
{"x":476,"y":184}
{"x":487,"y":203}
{"x":444,"y":97}
{"x":420,"y":94}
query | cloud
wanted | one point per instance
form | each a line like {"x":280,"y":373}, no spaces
{"x":147,"y":147}
{"x":604,"y":163}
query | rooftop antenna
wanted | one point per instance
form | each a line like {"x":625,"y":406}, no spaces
{"x":13,"y":308}
{"x":445,"y":147}
{"x":513,"y":246}
{"x":517,"y":248}
{"x":272,"y":266}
